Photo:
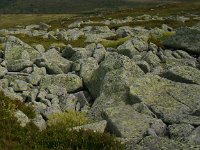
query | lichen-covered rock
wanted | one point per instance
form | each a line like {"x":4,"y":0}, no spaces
{"x":125,"y":122}
{"x":111,"y":80}
{"x":157,"y":143}
{"x":21,"y":118}
{"x":19,"y":55}
{"x":96,"y":127}
{"x":87,"y":71}
{"x":133,"y":47}
{"x":54,"y":62}
{"x":194,"y":138}
{"x":20,"y":85}
{"x":171,"y":101}
{"x":36,"y":75}
{"x":184,"y":74}
{"x":70,"y":82}
{"x":180,"y":132}
{"x":40,"y":122}
{"x":3,"y":71}
{"x":186,"y":39}
{"x":99,"y":53}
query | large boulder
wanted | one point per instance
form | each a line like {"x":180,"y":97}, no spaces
{"x":157,"y":143}
{"x":19,"y":55}
{"x":186,"y":39}
{"x":170,"y":101}
{"x":185,"y":74}
{"x":125,"y":122}
{"x":109,"y":83}
{"x":133,"y":47}
{"x":54,"y":62}
{"x":70,"y":82}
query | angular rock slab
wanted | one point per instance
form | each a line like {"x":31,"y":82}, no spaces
{"x":54,"y":62}
{"x":183,"y":74}
{"x":70,"y":82}
{"x":172,"y":102}
{"x":19,"y":55}
{"x":157,"y":143}
{"x":186,"y":39}
{"x":125,"y":122}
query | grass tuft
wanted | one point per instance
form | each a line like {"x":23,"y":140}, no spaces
{"x":67,"y":119}
{"x":114,"y":43}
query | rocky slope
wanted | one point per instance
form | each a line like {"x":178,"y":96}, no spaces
{"x":145,"y":92}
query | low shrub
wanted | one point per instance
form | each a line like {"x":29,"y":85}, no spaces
{"x":68,"y":119}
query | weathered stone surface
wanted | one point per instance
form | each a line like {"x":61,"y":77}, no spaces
{"x":21,"y":118}
{"x":40,"y":122}
{"x":111,"y":80}
{"x":133,"y":47}
{"x":171,"y":101}
{"x":185,"y":38}
{"x":20,"y":85}
{"x":19,"y":55}
{"x":70,"y":82}
{"x":180,"y":132}
{"x":3,"y":71}
{"x":125,"y":122}
{"x":96,"y":127}
{"x":36,"y":75}
{"x":54,"y":62}
{"x":183,"y":74}
{"x":194,"y":138}
{"x":157,"y":143}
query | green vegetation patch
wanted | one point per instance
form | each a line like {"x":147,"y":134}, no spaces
{"x":56,"y":137}
{"x":80,"y":42}
{"x":114,"y":43}
{"x":68,"y":119}
{"x":46,"y":42}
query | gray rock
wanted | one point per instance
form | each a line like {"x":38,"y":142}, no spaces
{"x":36,"y":75}
{"x":70,"y":82}
{"x":110,"y":82}
{"x":152,"y":59}
{"x":125,"y":122}
{"x":21,"y":118}
{"x":194,"y":138}
{"x":186,"y":39}
{"x":40,"y":48}
{"x":144,"y":66}
{"x":184,"y":74}
{"x":40,"y":122}
{"x":19,"y":55}
{"x":54,"y":63}
{"x":20,"y":85}
{"x":96,"y":127}
{"x":173,"y":102}
{"x":157,"y":143}
{"x":3,"y":71}
{"x":99,"y":53}
{"x":180,"y":132}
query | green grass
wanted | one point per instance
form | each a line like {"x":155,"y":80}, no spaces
{"x":56,"y":137}
{"x":46,"y":42}
{"x":68,"y":119}
{"x":38,"y":40}
{"x":114,"y":43}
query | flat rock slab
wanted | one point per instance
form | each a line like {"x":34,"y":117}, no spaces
{"x":183,"y":74}
{"x":70,"y":82}
{"x":171,"y":101}
{"x":125,"y":122}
